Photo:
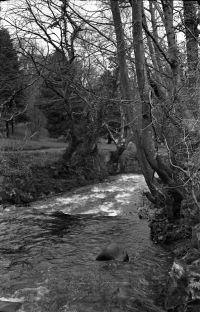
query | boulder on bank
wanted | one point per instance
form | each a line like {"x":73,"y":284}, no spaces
{"x":176,"y":289}
{"x":147,"y":212}
{"x":113,"y":252}
{"x":183,"y":286}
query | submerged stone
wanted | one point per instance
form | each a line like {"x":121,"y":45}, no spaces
{"x":113,"y":252}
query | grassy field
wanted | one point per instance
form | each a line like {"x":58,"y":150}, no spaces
{"x":37,"y":157}
{"x":46,"y":143}
{"x":30,"y":145}
{"x":41,"y":152}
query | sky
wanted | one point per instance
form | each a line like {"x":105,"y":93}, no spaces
{"x":6,"y":7}
{"x":89,"y":5}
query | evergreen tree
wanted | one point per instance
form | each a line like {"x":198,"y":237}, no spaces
{"x":9,"y":64}
{"x":9,"y":79}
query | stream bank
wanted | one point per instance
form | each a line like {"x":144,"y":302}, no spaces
{"x":28,"y":176}
{"x":182,"y":238}
{"x":29,"y":184}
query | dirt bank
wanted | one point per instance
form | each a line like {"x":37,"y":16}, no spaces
{"x":25,"y":186}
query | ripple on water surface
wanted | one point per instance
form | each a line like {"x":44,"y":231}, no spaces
{"x":48,"y":257}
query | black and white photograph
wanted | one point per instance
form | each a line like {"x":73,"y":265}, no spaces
{"x":99,"y":156}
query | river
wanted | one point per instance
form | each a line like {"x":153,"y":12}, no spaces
{"x":48,"y":251}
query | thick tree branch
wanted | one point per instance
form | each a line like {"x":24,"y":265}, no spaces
{"x":156,"y":43}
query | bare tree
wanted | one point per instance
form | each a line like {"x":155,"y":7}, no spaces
{"x":75,"y":33}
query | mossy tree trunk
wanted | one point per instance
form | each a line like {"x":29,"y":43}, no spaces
{"x":191,"y":33}
{"x":149,"y":156}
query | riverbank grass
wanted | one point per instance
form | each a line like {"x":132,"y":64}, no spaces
{"x":24,"y":144}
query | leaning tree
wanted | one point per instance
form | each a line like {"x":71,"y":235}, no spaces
{"x":167,"y":85}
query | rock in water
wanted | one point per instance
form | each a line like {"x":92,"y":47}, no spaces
{"x":113,"y":252}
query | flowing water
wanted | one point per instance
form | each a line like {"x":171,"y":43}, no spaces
{"x":48,"y":251}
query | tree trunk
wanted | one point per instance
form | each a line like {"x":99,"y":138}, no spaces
{"x":155,"y":35}
{"x":150,"y":46}
{"x":155,"y":74}
{"x":191,"y":33}
{"x":147,"y":135}
{"x":12,"y":126}
{"x":172,"y":46}
{"x":121,"y":54}
{"x":7,"y":129}
{"x":144,"y":137}
{"x":148,"y":149}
